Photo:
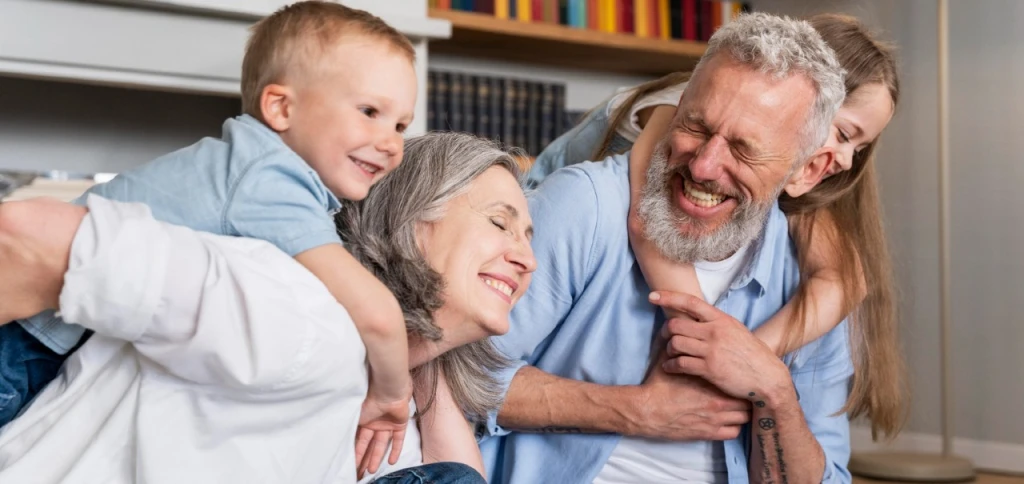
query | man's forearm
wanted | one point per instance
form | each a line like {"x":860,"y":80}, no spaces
{"x":541,"y":402}
{"x":783,"y":449}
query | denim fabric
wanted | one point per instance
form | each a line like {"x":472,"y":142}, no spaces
{"x":576,"y":146}
{"x":26,"y":366}
{"x":439,"y":473}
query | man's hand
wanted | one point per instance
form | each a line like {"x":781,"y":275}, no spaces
{"x":681,"y":408}
{"x":35,"y":243}
{"x":720,"y":349}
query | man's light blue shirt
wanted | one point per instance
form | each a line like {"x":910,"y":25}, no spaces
{"x":247,"y":183}
{"x":586,"y":317}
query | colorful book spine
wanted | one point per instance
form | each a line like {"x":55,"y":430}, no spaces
{"x":578,"y":13}
{"x":675,"y":14}
{"x":626,"y":14}
{"x":501,"y":9}
{"x":640,"y":21}
{"x":524,"y":11}
{"x":484,"y":6}
{"x":690,"y":19}
{"x":664,"y":20}
{"x":594,"y":14}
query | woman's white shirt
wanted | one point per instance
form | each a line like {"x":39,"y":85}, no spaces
{"x":215,"y":359}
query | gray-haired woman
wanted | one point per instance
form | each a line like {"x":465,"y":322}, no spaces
{"x":220,"y":359}
{"x":441,"y":232}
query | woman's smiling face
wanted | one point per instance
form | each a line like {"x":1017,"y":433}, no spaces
{"x":481,"y":247}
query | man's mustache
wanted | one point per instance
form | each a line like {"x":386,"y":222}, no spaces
{"x":683,"y":170}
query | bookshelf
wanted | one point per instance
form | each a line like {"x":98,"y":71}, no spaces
{"x":486,"y":36}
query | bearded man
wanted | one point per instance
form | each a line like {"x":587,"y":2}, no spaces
{"x":590,"y":398}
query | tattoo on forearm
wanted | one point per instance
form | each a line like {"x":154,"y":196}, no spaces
{"x":559,"y":430}
{"x":778,"y":455}
{"x":766,"y":423}
{"x":766,"y":471}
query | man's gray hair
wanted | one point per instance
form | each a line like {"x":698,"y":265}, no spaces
{"x":380,"y":231}
{"x":779,"y":46}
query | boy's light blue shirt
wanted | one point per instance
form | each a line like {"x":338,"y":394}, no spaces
{"x":586,"y":317}
{"x":247,"y":183}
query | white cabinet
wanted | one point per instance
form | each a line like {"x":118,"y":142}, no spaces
{"x":192,"y":46}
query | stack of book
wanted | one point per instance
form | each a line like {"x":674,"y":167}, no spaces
{"x":666,"y":19}
{"x":520,"y":113}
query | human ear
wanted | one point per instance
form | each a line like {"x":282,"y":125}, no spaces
{"x":811,"y":173}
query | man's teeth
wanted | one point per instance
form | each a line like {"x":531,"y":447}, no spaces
{"x":701,"y":198}
{"x":501,"y":286}
{"x":366,"y":166}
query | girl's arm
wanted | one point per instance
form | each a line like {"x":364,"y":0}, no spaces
{"x":826,"y":302}
{"x":661,"y":274}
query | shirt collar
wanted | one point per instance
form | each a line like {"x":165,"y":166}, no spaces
{"x":759,"y":269}
{"x":333,"y":203}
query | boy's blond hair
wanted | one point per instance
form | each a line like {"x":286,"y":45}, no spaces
{"x":295,"y":36}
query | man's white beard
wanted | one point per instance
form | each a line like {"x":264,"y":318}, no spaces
{"x":662,"y":218}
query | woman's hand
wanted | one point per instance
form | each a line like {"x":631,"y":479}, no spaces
{"x":35,"y":243}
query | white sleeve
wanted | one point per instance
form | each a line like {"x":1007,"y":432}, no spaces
{"x":210,"y":309}
{"x":630,"y":127}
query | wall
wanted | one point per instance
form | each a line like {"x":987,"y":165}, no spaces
{"x":986,"y":107}
{"x":61,"y":126}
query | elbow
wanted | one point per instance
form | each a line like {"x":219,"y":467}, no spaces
{"x":386,"y":324}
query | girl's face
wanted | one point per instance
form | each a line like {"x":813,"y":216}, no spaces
{"x":860,"y":121}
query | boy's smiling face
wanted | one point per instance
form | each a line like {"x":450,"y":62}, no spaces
{"x":345,"y":112}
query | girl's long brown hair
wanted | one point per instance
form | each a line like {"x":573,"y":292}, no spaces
{"x":849,"y":200}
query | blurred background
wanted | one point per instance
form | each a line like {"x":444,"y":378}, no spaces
{"x":96,"y":87}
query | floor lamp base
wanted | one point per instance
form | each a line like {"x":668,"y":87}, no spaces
{"x":912,"y":467}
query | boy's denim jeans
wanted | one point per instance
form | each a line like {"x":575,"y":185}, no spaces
{"x":439,"y":473}
{"x":26,"y":367}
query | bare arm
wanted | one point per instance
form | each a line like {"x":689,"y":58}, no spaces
{"x":665,"y":406}
{"x":445,"y":433}
{"x":825,"y":291}
{"x":717,"y":347}
{"x":375,"y":313}
{"x":660,"y":273}
{"x":783,"y":449}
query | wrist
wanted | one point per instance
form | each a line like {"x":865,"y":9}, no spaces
{"x":776,"y":394}
{"x":633,"y":410}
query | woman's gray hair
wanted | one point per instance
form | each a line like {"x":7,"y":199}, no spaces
{"x":380,"y":231}
{"x":778,"y":46}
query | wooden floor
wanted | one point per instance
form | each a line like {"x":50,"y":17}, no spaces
{"x":982,"y":479}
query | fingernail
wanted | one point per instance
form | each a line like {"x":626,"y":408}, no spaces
{"x":654,"y":296}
